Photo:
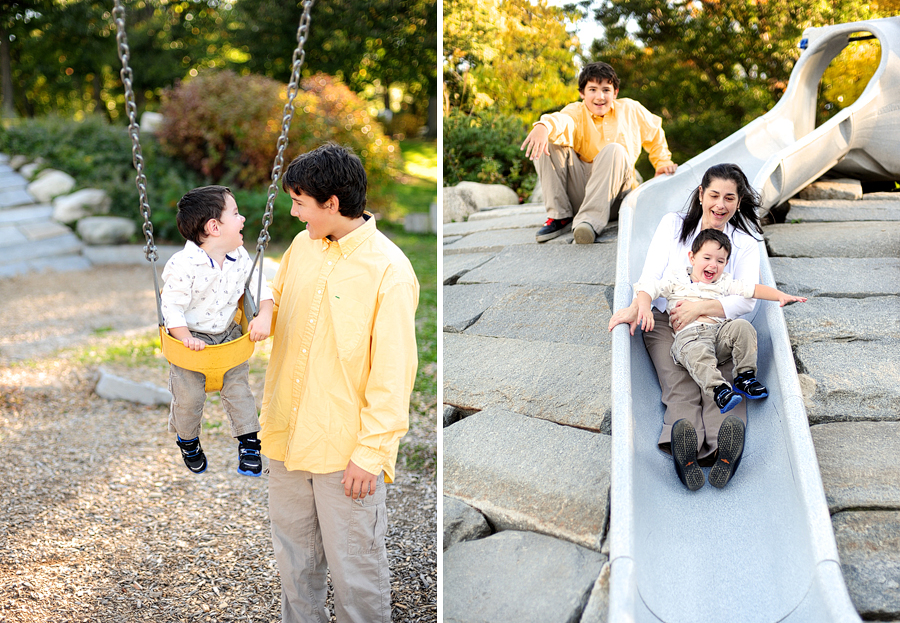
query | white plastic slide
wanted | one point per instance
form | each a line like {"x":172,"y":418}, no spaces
{"x":762,"y":549}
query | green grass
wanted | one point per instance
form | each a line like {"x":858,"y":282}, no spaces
{"x":139,"y":351}
{"x":416,"y":189}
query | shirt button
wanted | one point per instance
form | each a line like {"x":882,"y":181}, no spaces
{"x":304,"y":350}
{"x":296,"y":380}
{"x":318,"y":292}
{"x":330,"y":262}
{"x":345,"y":256}
{"x":311,"y":321}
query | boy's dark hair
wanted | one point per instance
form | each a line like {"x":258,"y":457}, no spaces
{"x":196,"y":209}
{"x":711,"y":235}
{"x":329,"y":170}
{"x":598,"y":72}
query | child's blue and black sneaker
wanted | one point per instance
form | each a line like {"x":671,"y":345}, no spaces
{"x":746,"y":384}
{"x":725,"y":398}
{"x":249,"y":460}
{"x":192,"y":454}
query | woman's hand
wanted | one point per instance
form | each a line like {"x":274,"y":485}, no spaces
{"x":627,"y":315}
{"x":686,"y":312}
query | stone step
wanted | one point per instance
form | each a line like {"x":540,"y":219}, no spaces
{"x":455,"y":266}
{"x":869,"y":547}
{"x":851,"y":381}
{"x":520,"y":210}
{"x":858,"y":463}
{"x":517,"y":576}
{"x":858,"y":239}
{"x":563,"y":383}
{"x":14,"y":216}
{"x":10,"y":180}
{"x":523,"y":473}
{"x":29,"y":250}
{"x":128,"y":254}
{"x":462,"y":523}
{"x":15,"y":198}
{"x":843,"y":320}
{"x":548,"y":264}
{"x":58,"y":263}
{"x":837,"y":276}
{"x":836,"y":210}
{"x":512,"y":221}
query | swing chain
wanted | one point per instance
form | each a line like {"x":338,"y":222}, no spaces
{"x":130,"y":109}
{"x":288,"y":115}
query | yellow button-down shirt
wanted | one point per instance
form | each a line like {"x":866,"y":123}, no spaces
{"x":344,"y":354}
{"x":627,"y":123}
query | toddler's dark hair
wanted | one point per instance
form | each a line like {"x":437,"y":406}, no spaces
{"x":711,"y":235}
{"x":196,"y":209}
{"x":329,"y":170}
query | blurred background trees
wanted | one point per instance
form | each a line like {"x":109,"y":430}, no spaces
{"x":707,"y":67}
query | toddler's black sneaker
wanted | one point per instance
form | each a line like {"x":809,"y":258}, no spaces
{"x":192,"y":454}
{"x":684,"y":453}
{"x":745,"y":383}
{"x":249,"y":460}
{"x":553,"y":228}
{"x":731,"y":447}
{"x":726,"y":399}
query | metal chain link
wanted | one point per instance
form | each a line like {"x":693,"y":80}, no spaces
{"x":287,"y":116}
{"x":131,"y":110}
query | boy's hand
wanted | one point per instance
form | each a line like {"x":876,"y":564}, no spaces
{"x":358,"y":482}
{"x":669,"y":169}
{"x":259,"y":328}
{"x":536,"y":143}
{"x":645,"y":319}
{"x":194,"y":343}
{"x":784,"y":299}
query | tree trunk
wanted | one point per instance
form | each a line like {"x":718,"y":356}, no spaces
{"x":8,"y":92}
{"x":432,"y":118}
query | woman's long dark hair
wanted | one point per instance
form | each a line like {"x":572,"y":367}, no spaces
{"x":744,"y":218}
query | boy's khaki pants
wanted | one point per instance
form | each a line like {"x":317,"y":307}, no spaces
{"x":589,"y":191}
{"x":701,"y":347}
{"x":315,"y":527}
{"x":681,"y":394}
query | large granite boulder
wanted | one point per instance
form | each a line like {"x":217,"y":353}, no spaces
{"x":86,"y":202}
{"x":106,"y":229}
{"x":50,"y":184}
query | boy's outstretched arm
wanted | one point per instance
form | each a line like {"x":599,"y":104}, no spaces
{"x":767,"y":293}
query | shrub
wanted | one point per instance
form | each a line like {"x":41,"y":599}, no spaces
{"x":484,"y":147}
{"x":225,"y":127}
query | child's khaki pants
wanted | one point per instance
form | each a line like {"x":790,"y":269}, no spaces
{"x":315,"y":527}
{"x":189,"y":394}
{"x":702,"y":347}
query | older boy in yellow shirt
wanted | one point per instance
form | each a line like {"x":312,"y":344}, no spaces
{"x":591,"y":147}
{"x":336,"y":400}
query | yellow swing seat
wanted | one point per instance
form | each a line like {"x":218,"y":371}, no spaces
{"x":212,"y":361}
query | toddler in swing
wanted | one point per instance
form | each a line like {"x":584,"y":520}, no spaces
{"x":203,"y":284}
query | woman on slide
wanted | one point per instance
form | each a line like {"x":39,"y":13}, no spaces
{"x":724,"y":201}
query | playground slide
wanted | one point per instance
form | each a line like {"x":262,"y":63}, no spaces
{"x":762,"y":549}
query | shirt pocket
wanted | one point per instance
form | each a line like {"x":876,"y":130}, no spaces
{"x":350,"y":321}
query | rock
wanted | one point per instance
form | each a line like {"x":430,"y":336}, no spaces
{"x":512,"y":577}
{"x":598,"y":604}
{"x":871,"y":392}
{"x":451,"y":415}
{"x":151,"y":122}
{"x":528,"y":474}
{"x":112,"y":387}
{"x":512,"y":221}
{"x":837,"y":276}
{"x":843,"y":319}
{"x":463,"y":305}
{"x":874,"y":239}
{"x":495,"y":240}
{"x":869,"y":547}
{"x":462,"y":523}
{"x":50,"y":185}
{"x":568,"y":314}
{"x":548,"y":264}
{"x":106,"y":229}
{"x":521,"y":210}
{"x":563,"y":383}
{"x":833,"y":189}
{"x":18,"y":161}
{"x":832,"y":210}
{"x":487,"y":196}
{"x":30,"y":170}
{"x":537,"y":196}
{"x":458,"y":204}
{"x":417,"y":223}
{"x":454,"y":266}
{"x":85,"y":202}
{"x":858,"y":463}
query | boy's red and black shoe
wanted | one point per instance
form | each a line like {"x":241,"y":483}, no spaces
{"x":192,"y":454}
{"x":731,"y":448}
{"x":684,"y":453}
{"x":553,"y":228}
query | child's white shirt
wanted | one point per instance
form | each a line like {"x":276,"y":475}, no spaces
{"x":201,"y":295}
{"x":676,"y":285}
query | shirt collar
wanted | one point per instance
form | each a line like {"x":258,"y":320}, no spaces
{"x":198,"y":256}
{"x":349,"y":243}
